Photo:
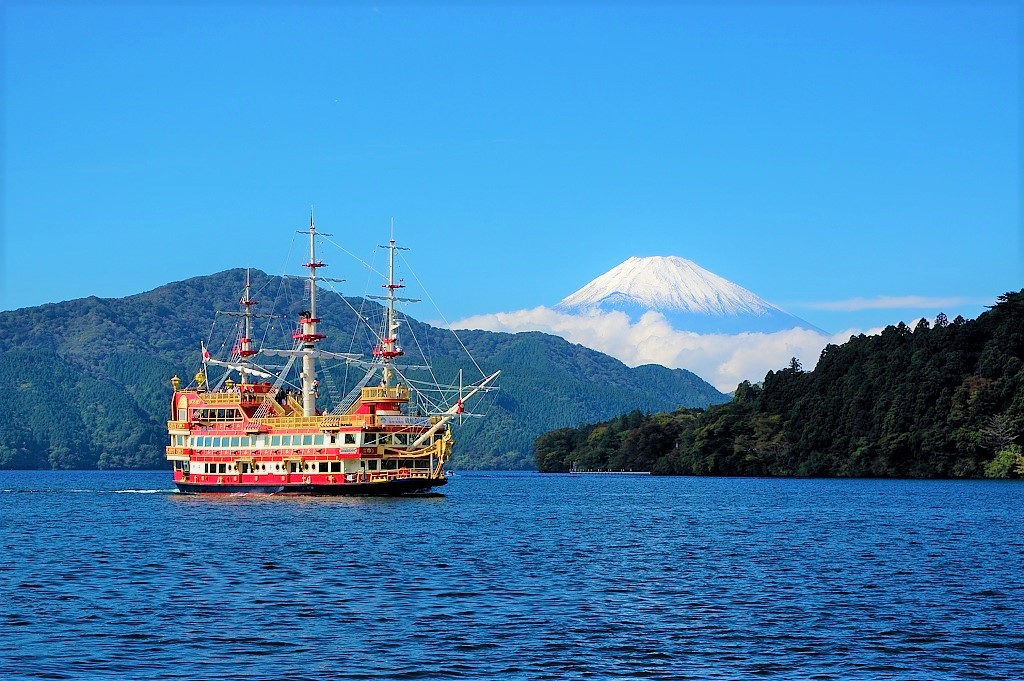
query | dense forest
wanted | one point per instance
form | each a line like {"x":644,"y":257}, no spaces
{"x":85,"y":383}
{"x":933,"y":401}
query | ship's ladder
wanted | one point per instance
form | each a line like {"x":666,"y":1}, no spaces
{"x":269,"y":401}
{"x":354,"y":394}
{"x":333,"y":394}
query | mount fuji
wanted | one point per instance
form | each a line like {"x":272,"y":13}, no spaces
{"x":689,"y":297}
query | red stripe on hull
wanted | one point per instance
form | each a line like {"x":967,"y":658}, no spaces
{"x":390,"y":488}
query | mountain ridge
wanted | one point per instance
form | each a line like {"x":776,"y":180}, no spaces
{"x":124,"y":350}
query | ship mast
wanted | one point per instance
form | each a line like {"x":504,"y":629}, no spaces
{"x":244,"y":350}
{"x":307,"y":333}
{"x":388,"y":348}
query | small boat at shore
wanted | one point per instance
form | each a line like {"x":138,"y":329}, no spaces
{"x":258,"y":428}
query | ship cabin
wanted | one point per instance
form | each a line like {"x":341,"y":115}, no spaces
{"x":253,"y":434}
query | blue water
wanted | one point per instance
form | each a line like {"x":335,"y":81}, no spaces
{"x":110,"y":575}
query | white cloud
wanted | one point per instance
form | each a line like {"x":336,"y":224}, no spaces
{"x":890,"y":303}
{"x":722,"y":360}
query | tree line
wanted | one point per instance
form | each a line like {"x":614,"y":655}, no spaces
{"x":942,"y":400}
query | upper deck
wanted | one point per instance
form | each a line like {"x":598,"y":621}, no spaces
{"x":255,"y":408}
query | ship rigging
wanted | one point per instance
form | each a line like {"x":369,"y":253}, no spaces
{"x":257,"y":430}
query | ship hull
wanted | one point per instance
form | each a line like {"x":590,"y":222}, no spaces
{"x":391,"y":488}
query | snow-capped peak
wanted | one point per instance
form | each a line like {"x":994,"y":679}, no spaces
{"x":666,"y":284}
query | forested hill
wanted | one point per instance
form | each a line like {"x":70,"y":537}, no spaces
{"x":84,"y":383}
{"x":933,"y":401}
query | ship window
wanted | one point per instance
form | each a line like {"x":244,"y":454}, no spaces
{"x":216,"y":442}
{"x":371,"y":464}
{"x":350,"y":438}
{"x":234,"y":442}
{"x":307,"y":466}
{"x":334,"y":439}
{"x":370,"y":439}
{"x":421,"y":463}
{"x":318,"y":439}
{"x":293,"y":466}
{"x":286,"y":440}
{"x":388,"y":464}
{"x":307,"y":440}
{"x":182,"y":414}
{"x":335,"y":466}
{"x":222,"y":468}
{"x":401,"y":439}
{"x":323,"y":466}
{"x":263,"y":466}
{"x":244,"y":467}
{"x":275,"y":440}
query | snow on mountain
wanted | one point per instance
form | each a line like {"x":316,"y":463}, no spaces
{"x":690,"y":297}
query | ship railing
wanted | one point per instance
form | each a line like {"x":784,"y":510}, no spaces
{"x":333,"y":421}
{"x":222,"y":398}
{"x":396,"y":392}
{"x":386,"y":476}
{"x":328,"y":422}
{"x":176,"y":453}
{"x":292,"y":421}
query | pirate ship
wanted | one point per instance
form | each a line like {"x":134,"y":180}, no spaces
{"x":258,"y":429}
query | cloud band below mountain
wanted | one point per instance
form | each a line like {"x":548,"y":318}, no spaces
{"x":890,"y":303}
{"x":722,"y":360}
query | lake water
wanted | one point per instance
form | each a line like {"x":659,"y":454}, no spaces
{"x":110,"y":575}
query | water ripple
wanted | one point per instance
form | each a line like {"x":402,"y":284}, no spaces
{"x":514,"y":576}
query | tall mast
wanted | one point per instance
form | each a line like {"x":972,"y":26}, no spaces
{"x":307,"y":333}
{"x":388,"y":348}
{"x":244,"y":350}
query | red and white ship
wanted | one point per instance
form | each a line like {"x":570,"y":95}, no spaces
{"x":258,"y":429}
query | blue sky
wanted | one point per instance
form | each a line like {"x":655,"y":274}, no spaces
{"x":856,"y":164}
